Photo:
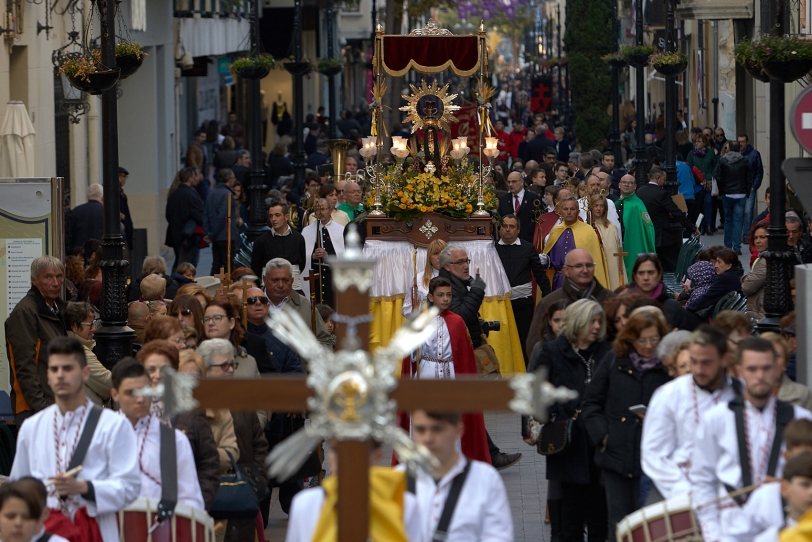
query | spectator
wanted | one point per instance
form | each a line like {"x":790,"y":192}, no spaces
{"x":156,"y":308}
{"x":617,"y":311}
{"x":728,"y":279}
{"x":35,"y":320}
{"x":283,"y":359}
{"x":352,"y":204}
{"x":215,"y":216}
{"x":184,"y":274}
{"x":467,"y":292}
{"x":153,"y":288}
{"x":242,"y":167}
{"x":622,"y":381}
{"x":80,"y":319}
{"x":796,"y":243}
{"x":226,"y":156}
{"x":167,"y":329}
{"x":562,"y":146}
{"x":734,"y":176}
{"x":647,"y":275}
{"x":701,"y":275}
{"x":570,"y":361}
{"x":200,"y":293}
{"x":184,"y":215}
{"x":189,"y":313}
{"x":757,"y":168}
{"x":124,"y":208}
{"x":220,"y":321}
{"x":703,"y":158}
{"x":281,"y":242}
{"x":196,"y":156}
{"x":86,"y":221}
{"x":328,"y":192}
{"x":152,"y":265}
{"x":736,"y":327}
{"x":673,"y":350}
{"x":280,"y":164}
{"x":754,"y":282}
{"x":137,"y":317}
{"x":234,"y":130}
{"x":326,"y":312}
{"x":788,"y":391}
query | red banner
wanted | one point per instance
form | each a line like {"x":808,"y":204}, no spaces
{"x":467,"y":126}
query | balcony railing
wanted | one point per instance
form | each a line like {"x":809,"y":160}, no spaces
{"x":212,"y":9}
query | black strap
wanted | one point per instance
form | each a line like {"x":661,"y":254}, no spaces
{"x":737,"y":406}
{"x":44,"y":538}
{"x":441,"y":533}
{"x":784,"y":414}
{"x":169,"y":474}
{"x":411,"y":484}
{"x":87,"y":435}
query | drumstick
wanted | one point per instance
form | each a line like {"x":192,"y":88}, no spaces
{"x":731,"y":495}
{"x":72,"y":472}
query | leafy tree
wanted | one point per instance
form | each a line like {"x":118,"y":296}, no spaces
{"x":588,"y":37}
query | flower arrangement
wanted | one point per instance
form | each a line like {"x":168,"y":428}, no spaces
{"x":769,"y":48}
{"x":301,"y":67}
{"x":637,"y":53}
{"x":612,"y":57}
{"x":328,"y":65}
{"x":257,"y":61}
{"x":79,"y":68}
{"x":125,"y":48}
{"x":670,"y":58}
{"x":409,"y":194}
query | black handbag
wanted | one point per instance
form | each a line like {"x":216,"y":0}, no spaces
{"x":280,"y":427}
{"x":236,"y":497}
{"x":555,"y":437}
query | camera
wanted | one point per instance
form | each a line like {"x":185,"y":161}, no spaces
{"x":490,"y":325}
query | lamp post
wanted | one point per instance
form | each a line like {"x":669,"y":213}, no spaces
{"x":114,"y":340}
{"x":778,"y":257}
{"x":258,"y":218}
{"x":614,"y":134}
{"x":331,"y":79}
{"x":298,"y":121}
{"x":561,"y":97}
{"x":640,"y":113}
{"x":671,"y":183}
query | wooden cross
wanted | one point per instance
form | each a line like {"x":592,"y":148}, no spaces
{"x":225,"y":282}
{"x":289,"y":393}
{"x":621,"y":262}
{"x":313,"y":277}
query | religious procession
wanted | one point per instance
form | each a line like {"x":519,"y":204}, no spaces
{"x":492,"y":277}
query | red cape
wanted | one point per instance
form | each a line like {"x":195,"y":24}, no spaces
{"x":474,"y":439}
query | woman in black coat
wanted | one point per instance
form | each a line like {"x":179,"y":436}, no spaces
{"x":571,"y":361}
{"x":627,"y":377}
{"x":647,"y":275}
{"x":728,"y":279}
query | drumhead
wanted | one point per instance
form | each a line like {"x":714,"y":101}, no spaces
{"x":671,"y":506}
{"x":142,"y":504}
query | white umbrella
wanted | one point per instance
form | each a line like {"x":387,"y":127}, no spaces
{"x":16,"y":142}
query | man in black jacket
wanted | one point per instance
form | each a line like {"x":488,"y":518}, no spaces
{"x":536,"y":148}
{"x":466,"y":297}
{"x":521,"y":261}
{"x":281,"y":242}
{"x":523,"y":204}
{"x":667,"y":218}
{"x":184,"y":214}
{"x":86,"y":221}
{"x":735,"y":179}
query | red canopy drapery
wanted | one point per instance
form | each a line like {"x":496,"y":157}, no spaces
{"x":430,"y":54}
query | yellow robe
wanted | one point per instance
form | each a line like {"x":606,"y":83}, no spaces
{"x":585,"y":238}
{"x":610,"y":241}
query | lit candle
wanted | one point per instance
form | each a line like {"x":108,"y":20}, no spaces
{"x":490,"y":142}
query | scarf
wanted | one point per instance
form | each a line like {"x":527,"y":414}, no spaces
{"x":699,"y":152}
{"x":657,"y":292}
{"x":585,"y":293}
{"x":642,"y":364}
{"x":702,"y":275}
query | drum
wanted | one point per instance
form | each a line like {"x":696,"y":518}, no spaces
{"x":665,"y":521}
{"x":187,"y":524}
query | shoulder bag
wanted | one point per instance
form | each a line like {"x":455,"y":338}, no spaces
{"x":556,"y":436}
{"x":235,"y":497}
{"x":487,"y":363}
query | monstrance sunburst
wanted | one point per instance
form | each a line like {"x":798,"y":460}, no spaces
{"x":430,"y":106}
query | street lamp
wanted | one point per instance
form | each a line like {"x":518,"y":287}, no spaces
{"x":256,"y":189}
{"x":671,"y":183}
{"x":640,"y":90}
{"x":614,"y":134}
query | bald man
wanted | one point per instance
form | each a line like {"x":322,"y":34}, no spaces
{"x":137,"y":317}
{"x":352,"y":201}
{"x":636,"y":226}
{"x":579,"y":283}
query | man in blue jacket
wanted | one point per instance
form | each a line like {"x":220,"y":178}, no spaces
{"x":754,"y":158}
{"x":215,"y":216}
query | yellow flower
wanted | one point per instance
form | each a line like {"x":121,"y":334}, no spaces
{"x":468,"y":208}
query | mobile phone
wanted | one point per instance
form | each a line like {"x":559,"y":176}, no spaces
{"x":640,"y":410}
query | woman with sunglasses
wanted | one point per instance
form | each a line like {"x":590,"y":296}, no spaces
{"x":220,"y":321}
{"x":80,"y":319}
{"x":188,"y":311}
{"x":623,"y":380}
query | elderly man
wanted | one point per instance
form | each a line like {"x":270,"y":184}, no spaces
{"x":636,"y":227}
{"x":579,"y":283}
{"x":594,"y":185}
{"x":352,"y":201}
{"x":525,"y":205}
{"x":137,"y":317}
{"x":283,"y":359}
{"x":322,"y":239}
{"x":35,"y":320}
{"x":278,"y":281}
{"x":86,"y":221}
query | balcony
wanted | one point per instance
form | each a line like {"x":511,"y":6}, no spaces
{"x":212,"y":9}
{"x":716,"y":9}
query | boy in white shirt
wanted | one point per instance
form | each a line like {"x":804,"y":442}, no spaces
{"x":796,"y":491}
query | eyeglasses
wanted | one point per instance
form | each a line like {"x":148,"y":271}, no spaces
{"x":653,"y":341}
{"x":460,"y":262}
{"x":183,"y":312}
{"x":579,"y":266}
{"x":178,"y":340}
{"x":95,"y":324}
{"x":217,"y":318}
{"x":231,"y":364}
{"x":254,"y":298}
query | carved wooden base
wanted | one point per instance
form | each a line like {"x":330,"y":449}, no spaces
{"x":429,"y":227}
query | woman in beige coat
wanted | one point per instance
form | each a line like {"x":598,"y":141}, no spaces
{"x":80,"y":319}
{"x":754,"y":282}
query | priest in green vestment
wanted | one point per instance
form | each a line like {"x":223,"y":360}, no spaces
{"x":638,"y":231}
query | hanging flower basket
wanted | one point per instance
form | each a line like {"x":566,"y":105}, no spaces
{"x":785,"y":58}
{"x":638,"y":55}
{"x":615,"y":60}
{"x":330,"y":66}
{"x":757,"y":72}
{"x":89,"y":76}
{"x":787,"y":71}
{"x":302,"y":67}
{"x":129,"y":57}
{"x":669,"y":63}
{"x":253,"y":67}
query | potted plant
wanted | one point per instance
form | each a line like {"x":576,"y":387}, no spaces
{"x":89,"y":76}
{"x":669,"y":63}
{"x":638,"y":55}
{"x":786,"y":58}
{"x":615,"y":59}
{"x":253,"y":67}
{"x":745,"y":57}
{"x":129,"y":56}
{"x":300,"y":67}
{"x":330,"y":66}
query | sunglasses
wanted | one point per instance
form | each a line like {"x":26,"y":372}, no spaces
{"x":182,"y":312}
{"x":254,"y":298}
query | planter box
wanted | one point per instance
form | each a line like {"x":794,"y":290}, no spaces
{"x":429,"y":227}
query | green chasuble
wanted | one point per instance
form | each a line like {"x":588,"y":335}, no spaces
{"x":638,"y":231}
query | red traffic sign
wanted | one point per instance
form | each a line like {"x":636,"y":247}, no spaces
{"x":800,"y":119}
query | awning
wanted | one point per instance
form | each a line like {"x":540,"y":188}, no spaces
{"x":213,"y":37}
{"x":16,"y":142}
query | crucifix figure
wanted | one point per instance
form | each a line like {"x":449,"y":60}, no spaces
{"x":353,"y":396}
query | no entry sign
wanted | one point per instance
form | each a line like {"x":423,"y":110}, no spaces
{"x":800,"y":119}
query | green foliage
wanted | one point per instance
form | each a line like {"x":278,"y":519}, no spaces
{"x":588,"y":38}
{"x":668,"y":59}
{"x":781,"y":48}
{"x":124,"y":48}
{"x":265,"y":61}
{"x":629,"y":51}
